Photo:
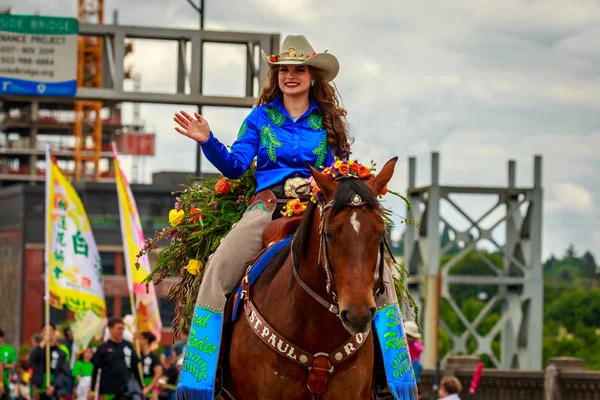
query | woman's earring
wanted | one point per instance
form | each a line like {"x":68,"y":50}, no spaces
{"x":312,"y":83}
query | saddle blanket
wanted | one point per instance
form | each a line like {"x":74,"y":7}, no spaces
{"x":257,"y":269}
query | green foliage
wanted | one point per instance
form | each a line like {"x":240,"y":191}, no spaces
{"x":196,"y":237}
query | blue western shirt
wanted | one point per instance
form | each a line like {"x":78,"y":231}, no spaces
{"x":280,"y":145}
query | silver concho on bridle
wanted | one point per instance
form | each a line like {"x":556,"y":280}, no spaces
{"x":356,"y":201}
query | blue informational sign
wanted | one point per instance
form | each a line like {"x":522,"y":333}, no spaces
{"x":38,"y":55}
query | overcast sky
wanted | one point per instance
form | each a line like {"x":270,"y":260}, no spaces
{"x":480,"y":82}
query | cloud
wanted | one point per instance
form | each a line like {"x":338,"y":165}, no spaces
{"x":570,"y":198}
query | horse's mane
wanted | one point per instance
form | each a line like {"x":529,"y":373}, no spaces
{"x":347,"y":189}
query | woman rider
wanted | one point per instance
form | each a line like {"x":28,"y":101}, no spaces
{"x":298,"y":118}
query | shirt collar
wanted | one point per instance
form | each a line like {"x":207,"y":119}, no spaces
{"x":278,"y":102}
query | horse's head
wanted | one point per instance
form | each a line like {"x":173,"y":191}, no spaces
{"x":352,"y":229}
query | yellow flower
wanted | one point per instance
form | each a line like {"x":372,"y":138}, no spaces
{"x":350,"y":162}
{"x":175,"y":217}
{"x":337,"y":164}
{"x":193,"y":267}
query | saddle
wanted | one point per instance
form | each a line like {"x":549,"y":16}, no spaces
{"x":279,"y":228}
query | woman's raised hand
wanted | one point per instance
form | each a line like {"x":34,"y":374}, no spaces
{"x":196,"y":129}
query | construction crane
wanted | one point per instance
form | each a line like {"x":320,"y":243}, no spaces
{"x":87,"y":129}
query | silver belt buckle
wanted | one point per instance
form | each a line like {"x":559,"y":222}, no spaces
{"x":296,"y":187}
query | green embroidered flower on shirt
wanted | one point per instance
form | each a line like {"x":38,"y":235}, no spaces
{"x":242,"y":130}
{"x":315,"y":120}
{"x":275,"y":116}
{"x":269,"y":140}
{"x":321,"y":152}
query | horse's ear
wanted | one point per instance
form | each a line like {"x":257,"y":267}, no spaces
{"x":383,"y":177}
{"x":327,"y":186}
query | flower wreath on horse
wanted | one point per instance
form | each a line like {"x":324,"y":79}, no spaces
{"x":283,"y":282}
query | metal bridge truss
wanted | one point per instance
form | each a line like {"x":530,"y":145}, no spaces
{"x":114,"y":39}
{"x":515,"y":287}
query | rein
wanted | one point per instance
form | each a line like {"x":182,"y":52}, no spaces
{"x":320,"y":365}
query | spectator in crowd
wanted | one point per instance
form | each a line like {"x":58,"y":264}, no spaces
{"x":8,"y":359}
{"x":118,"y":362}
{"x":60,"y":372}
{"x":179,"y":346}
{"x":151,"y":366}
{"x":82,"y":374}
{"x":168,"y":382}
{"x":450,"y":387}
{"x":68,"y":335}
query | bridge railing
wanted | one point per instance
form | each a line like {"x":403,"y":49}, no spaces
{"x":564,"y":378}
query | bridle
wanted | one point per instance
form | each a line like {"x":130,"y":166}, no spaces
{"x":356,"y":201}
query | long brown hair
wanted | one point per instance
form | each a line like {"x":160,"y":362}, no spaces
{"x":326,"y":96}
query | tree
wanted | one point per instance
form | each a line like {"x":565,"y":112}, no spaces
{"x":570,"y":252}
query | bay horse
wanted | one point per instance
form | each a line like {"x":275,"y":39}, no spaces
{"x":318,"y":294}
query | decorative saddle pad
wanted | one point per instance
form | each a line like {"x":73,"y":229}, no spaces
{"x":257,"y":269}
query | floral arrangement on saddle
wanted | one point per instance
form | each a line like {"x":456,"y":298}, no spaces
{"x":340,"y":169}
{"x":204,"y":213}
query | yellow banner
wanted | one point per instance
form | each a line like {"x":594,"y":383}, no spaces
{"x":146,"y":308}
{"x":73,"y":266}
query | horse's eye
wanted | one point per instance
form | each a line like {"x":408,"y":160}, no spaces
{"x":329,"y":234}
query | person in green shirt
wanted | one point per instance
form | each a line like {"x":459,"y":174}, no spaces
{"x":83,"y":366}
{"x":82,"y":373}
{"x":8,"y":358}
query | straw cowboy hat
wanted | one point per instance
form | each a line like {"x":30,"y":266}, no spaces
{"x":296,"y":50}
{"x":411,"y":329}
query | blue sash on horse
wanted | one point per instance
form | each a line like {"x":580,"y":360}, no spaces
{"x":394,"y":348}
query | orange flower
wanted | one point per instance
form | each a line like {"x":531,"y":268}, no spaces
{"x":384,"y":191}
{"x":344,"y":169}
{"x":355,"y":167}
{"x":222,"y":186}
{"x":316,"y":191}
{"x":297,"y":207}
{"x":327,"y":172}
{"x":196,"y":214}
{"x":364,"y":172}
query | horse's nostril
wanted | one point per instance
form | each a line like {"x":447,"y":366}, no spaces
{"x":373,"y":311}
{"x":344,"y":316}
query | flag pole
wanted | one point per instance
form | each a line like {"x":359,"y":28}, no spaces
{"x":47,"y":261}
{"x":127,"y":271}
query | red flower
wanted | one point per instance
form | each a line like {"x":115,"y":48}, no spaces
{"x":344,"y":169}
{"x":222,"y":186}
{"x":364,"y":172}
{"x":196,"y":214}
{"x":384,"y":191}
{"x":273,"y":59}
{"x":355,"y":167}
